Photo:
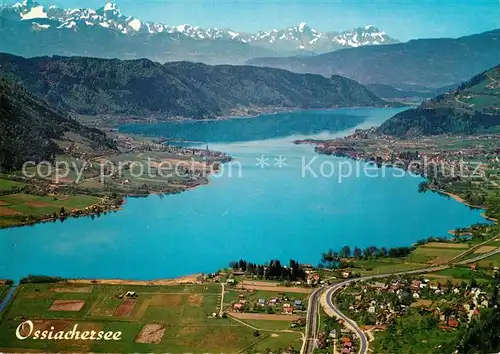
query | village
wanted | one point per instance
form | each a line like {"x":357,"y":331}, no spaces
{"x":283,"y":304}
{"x":443,"y":306}
{"x":379,"y":303}
{"x":452,"y":154}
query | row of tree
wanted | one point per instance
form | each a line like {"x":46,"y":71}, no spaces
{"x":332,"y":259}
{"x":272,"y":270}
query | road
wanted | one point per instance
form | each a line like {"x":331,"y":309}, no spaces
{"x":363,"y":347}
{"x":363,"y":341}
{"x":311,"y":322}
{"x":480,"y":257}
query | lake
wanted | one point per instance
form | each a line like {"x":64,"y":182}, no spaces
{"x":280,"y":201}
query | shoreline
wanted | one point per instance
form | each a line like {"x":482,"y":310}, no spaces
{"x":180,"y":280}
{"x":316,"y":143}
{"x":97,"y":209}
{"x":269,"y":111}
{"x":463,"y":201}
{"x":189,"y":278}
{"x":102,"y":212}
{"x":68,"y":216}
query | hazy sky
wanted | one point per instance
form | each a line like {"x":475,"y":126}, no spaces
{"x":402,"y":19}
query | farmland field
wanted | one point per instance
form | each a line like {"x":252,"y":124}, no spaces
{"x":8,"y":184}
{"x":434,"y":255}
{"x":13,"y":206}
{"x":175,"y":319}
{"x":446,"y":245}
{"x":492,"y":260}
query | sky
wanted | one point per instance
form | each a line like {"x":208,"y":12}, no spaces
{"x":402,"y":19}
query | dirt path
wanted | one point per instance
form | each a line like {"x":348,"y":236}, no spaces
{"x":221,"y":309}
{"x":264,"y":316}
{"x":265,"y":330}
{"x":280,"y":289}
{"x":189,"y":279}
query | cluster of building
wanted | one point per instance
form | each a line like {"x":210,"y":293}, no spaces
{"x":128,"y":143}
{"x":368,"y":145}
{"x":343,"y":340}
{"x":287,"y":306}
{"x":347,"y":345}
{"x":451,"y":305}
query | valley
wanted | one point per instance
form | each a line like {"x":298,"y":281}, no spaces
{"x":273,"y":188}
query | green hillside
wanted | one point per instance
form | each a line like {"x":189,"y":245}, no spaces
{"x":473,"y":108}
{"x":30,"y":130}
{"x":144,"y":88}
{"x":481,"y":93}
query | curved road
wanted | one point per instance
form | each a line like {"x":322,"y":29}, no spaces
{"x":311,"y":326}
{"x":363,"y":347}
{"x":363,"y":341}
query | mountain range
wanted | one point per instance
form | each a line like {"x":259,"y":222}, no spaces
{"x":30,"y":29}
{"x":474,"y":107}
{"x":420,"y":64}
{"x":146,"y":89}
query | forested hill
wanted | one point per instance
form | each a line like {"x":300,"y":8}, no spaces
{"x":32,"y":131}
{"x":182,"y":89}
{"x":472,"y":108}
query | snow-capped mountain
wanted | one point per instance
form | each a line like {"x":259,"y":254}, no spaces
{"x":303,"y":37}
{"x":293,"y":39}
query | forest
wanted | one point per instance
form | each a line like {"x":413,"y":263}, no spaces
{"x":29,"y":129}
{"x":92,"y":86}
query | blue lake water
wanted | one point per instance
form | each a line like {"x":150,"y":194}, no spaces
{"x":263,"y":213}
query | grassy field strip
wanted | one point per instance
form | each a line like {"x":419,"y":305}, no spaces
{"x":181,"y":315}
{"x":263,"y":329}
{"x":471,"y":250}
{"x":14,"y":206}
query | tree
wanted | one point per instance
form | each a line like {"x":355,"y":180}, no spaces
{"x":399,"y":252}
{"x":296,"y":271}
{"x":383,"y":252}
{"x":494,"y":296}
{"x":373,"y":250}
{"x":330,"y":259}
{"x":473,"y":283}
{"x":357,"y":252}
{"x":449,"y":285}
{"x":483,"y":334}
{"x":345,"y":252}
{"x":242,"y":265}
{"x":447,"y":312}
